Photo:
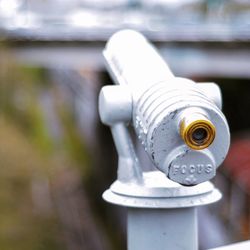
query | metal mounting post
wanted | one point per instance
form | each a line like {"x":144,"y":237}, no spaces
{"x":160,"y":229}
{"x":161,"y":213}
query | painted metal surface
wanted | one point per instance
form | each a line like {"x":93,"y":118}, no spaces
{"x":245,"y":245}
{"x":159,"y":102}
{"x":157,"y":191}
{"x":169,"y":229}
{"x":161,"y":211}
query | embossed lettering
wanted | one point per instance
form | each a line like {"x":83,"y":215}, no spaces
{"x":208,"y":168}
{"x":176,"y":169}
{"x":200,"y":168}
{"x":183,"y":169}
{"x":192,"y":169}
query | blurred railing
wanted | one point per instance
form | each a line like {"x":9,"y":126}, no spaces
{"x":162,"y":20}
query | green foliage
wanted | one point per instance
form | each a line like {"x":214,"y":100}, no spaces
{"x":31,"y":156}
{"x":24,"y":225}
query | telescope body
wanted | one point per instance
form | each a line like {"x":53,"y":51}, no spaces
{"x":178,"y":122}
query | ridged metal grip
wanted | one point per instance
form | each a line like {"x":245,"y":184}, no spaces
{"x":159,"y":111}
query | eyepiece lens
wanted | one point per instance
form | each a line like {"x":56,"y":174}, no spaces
{"x":199,"y":135}
{"x":197,"y":131}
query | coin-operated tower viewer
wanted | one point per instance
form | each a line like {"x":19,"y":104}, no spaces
{"x":183,"y":131}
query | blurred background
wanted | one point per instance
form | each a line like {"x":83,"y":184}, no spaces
{"x":56,"y":157}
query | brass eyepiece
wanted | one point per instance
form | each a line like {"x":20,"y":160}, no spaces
{"x":197,"y":131}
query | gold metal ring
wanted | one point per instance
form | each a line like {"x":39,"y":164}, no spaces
{"x":197,"y":133}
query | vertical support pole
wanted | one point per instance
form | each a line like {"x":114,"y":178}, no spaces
{"x":158,"y":229}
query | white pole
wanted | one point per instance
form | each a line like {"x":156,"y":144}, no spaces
{"x":160,"y":229}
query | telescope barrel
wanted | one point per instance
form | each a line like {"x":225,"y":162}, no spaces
{"x":180,"y":127}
